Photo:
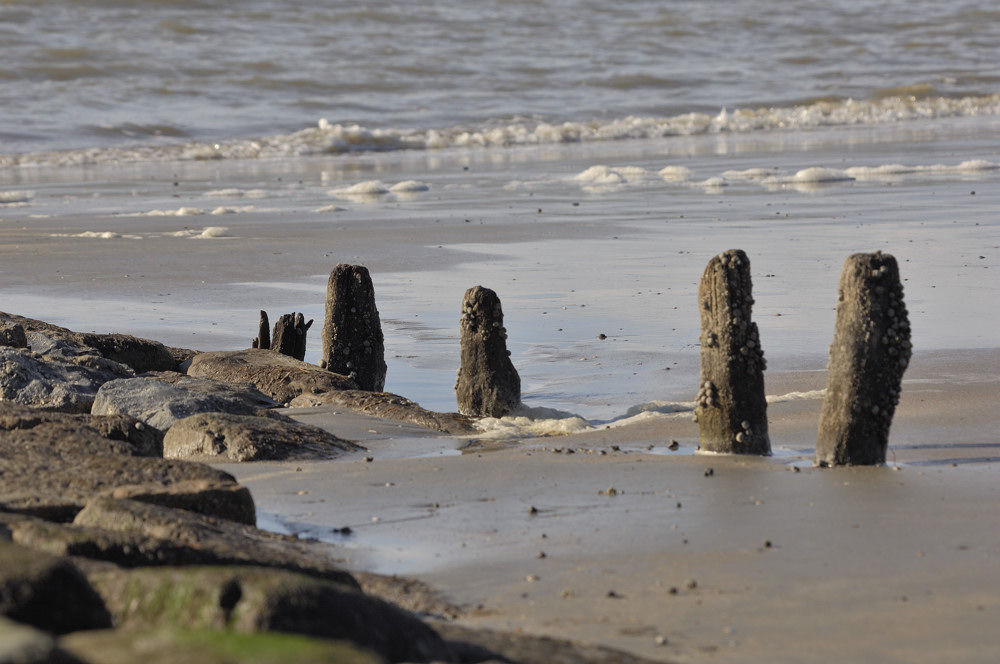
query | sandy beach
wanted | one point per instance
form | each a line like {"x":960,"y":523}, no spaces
{"x":610,"y":537}
{"x":607,"y":535}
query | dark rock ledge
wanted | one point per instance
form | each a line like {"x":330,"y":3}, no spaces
{"x":110,"y":552}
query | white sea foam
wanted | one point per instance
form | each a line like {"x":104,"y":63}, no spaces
{"x":100,"y":235}
{"x":207,"y":233}
{"x":326,"y":137}
{"x":528,"y":422}
{"x":15,"y":198}
{"x":329,"y":208}
{"x":796,"y":396}
{"x":409,"y":186}
{"x":362,"y":192}
{"x":237,"y":193}
{"x":675,"y":173}
{"x":179,"y":212}
{"x":600,"y":175}
{"x":712,"y":183}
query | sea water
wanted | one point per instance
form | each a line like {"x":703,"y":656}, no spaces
{"x":604,"y":151}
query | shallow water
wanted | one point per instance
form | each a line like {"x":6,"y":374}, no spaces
{"x":171,"y":169}
{"x":570,"y":260}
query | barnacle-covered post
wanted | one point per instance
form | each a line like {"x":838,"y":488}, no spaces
{"x":488,"y":384}
{"x":871,"y":349}
{"x":353,"y":344}
{"x":731,"y":407}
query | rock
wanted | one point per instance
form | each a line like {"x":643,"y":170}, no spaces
{"x":169,"y":646}
{"x":141,"y":355}
{"x":488,"y":384}
{"x":212,"y":497}
{"x":161,"y":399}
{"x":20,"y":644}
{"x":477,"y":645}
{"x":246,"y":600}
{"x":12,"y":335}
{"x":388,"y":406}
{"x":47,"y":592}
{"x":352,"y":332}
{"x":279,"y":376}
{"x":128,"y":533}
{"x":871,"y":349}
{"x":731,"y":408}
{"x":249,"y":438}
{"x":70,"y":386}
{"x":52,"y":464}
{"x":111,"y":434}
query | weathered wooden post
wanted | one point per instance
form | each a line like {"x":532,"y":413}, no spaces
{"x":871,"y":349}
{"x":731,"y":408}
{"x":289,"y":336}
{"x":488,"y":384}
{"x":263,"y":340}
{"x":353,"y":344}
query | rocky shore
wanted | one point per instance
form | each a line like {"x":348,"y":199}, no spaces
{"x":119,"y":542}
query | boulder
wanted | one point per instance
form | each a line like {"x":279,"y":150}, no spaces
{"x":161,"y":399}
{"x":67,"y":383}
{"x":281,"y":377}
{"x":90,"y":434}
{"x":20,"y":644}
{"x":141,"y":355}
{"x":47,"y":592}
{"x":247,"y":600}
{"x":129,"y":533}
{"x":388,"y":406}
{"x":226,"y":437}
{"x":52,"y":464}
{"x":167,"y":645}
{"x":12,"y":335}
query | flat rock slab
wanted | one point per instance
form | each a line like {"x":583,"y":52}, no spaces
{"x":526,"y":649}
{"x":279,"y":376}
{"x":170,"y":646}
{"x":47,"y":592}
{"x":129,"y":533}
{"x":53,"y":464}
{"x":250,"y":599}
{"x":226,"y":437}
{"x":66,"y":433}
{"x":141,"y":355}
{"x":391,"y":407}
{"x":161,"y":399}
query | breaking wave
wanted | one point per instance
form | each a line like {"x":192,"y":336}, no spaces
{"x":329,"y":138}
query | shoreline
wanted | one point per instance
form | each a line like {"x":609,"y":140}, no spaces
{"x":788,"y":561}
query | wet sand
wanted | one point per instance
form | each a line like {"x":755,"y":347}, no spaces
{"x":875,"y":564}
{"x":610,"y":537}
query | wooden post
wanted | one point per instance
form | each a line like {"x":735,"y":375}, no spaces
{"x":871,"y":349}
{"x":488,"y":384}
{"x":289,"y":336}
{"x":353,"y":344}
{"x":263,"y":340}
{"x":732,"y":410}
